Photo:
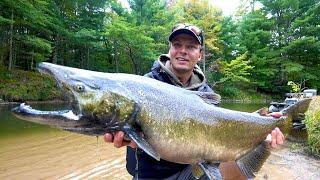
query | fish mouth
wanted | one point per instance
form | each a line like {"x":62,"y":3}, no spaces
{"x":27,"y":110}
{"x":62,"y":119}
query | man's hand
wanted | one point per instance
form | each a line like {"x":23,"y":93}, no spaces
{"x":275,"y":114}
{"x":275,"y":138}
{"x":118,"y":140}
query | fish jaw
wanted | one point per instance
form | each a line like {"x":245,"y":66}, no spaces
{"x":63,"y":119}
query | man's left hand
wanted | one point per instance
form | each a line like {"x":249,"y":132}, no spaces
{"x":275,"y":138}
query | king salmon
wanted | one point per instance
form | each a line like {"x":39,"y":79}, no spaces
{"x":177,"y":125}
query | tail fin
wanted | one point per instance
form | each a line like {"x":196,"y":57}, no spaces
{"x":252,"y":162}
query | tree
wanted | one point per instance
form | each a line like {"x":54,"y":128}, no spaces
{"x":237,"y":70}
{"x":130,"y":44}
{"x":26,"y":20}
{"x":295,"y":36}
{"x":204,"y":15}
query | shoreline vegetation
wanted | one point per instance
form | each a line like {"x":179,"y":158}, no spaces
{"x":21,"y":86}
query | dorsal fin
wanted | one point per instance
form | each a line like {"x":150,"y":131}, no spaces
{"x":253,"y":161}
{"x":209,"y":97}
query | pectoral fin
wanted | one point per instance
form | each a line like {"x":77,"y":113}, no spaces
{"x":253,"y":161}
{"x":211,"y":170}
{"x":140,"y":141}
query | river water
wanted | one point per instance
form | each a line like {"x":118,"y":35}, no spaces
{"x":33,"y":151}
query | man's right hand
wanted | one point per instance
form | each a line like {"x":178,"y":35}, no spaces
{"x":118,"y":140}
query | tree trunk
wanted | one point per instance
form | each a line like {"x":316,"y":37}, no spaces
{"x":88,"y":57}
{"x":2,"y":54}
{"x":55,"y":50}
{"x":115,"y":55}
{"x":66,"y":53}
{"x":135,"y":66}
{"x":11,"y":43}
{"x":83,"y":58}
{"x":32,"y":59}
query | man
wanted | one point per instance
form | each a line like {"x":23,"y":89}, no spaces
{"x":179,"y":68}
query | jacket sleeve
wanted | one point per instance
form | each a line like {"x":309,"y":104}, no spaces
{"x":205,"y":88}
{"x":149,"y":75}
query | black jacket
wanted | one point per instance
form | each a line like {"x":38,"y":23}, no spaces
{"x":148,"y":167}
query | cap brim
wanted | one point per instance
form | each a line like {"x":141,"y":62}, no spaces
{"x":184,"y":31}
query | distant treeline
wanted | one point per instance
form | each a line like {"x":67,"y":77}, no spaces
{"x":258,"y":49}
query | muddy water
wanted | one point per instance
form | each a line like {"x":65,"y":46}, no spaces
{"x":60,"y":155}
{"x":31,"y":151}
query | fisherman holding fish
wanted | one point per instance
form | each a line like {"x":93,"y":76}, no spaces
{"x":179,"y":68}
{"x":170,"y":115}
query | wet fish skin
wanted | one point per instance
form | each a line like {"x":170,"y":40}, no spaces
{"x":178,"y":124}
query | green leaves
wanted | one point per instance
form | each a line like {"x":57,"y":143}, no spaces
{"x":282,"y":43}
{"x":131,"y":46}
{"x":264,"y":47}
{"x":296,"y":88}
{"x":5,"y":21}
{"x":312,"y":122}
{"x":237,"y":70}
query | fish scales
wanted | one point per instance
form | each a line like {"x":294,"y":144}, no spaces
{"x":177,"y":125}
{"x":182,"y":120}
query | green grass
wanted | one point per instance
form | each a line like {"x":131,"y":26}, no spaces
{"x":312,"y":122}
{"x":19,"y":86}
{"x":245,"y":95}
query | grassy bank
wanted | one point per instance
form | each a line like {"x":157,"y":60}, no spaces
{"x":313,"y":126}
{"x":19,"y":86}
{"x":230,"y":94}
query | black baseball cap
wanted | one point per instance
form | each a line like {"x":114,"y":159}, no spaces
{"x":187,"y":29}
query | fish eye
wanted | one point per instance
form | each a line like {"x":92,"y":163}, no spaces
{"x":80,"y":88}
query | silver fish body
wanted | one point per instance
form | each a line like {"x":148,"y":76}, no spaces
{"x":179,"y":125}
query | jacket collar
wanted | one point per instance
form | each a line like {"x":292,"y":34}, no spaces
{"x":197,"y":79}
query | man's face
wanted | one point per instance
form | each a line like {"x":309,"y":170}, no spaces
{"x":184,"y":53}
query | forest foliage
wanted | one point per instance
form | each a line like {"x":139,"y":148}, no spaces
{"x":257,"y":49}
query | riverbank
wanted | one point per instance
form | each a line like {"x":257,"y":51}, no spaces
{"x":21,"y":86}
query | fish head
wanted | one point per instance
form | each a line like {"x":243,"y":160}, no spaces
{"x":82,"y":87}
{"x":94,"y":107}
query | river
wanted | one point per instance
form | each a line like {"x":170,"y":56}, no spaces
{"x":33,"y":151}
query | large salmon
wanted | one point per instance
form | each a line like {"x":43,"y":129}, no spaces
{"x":178,"y":125}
